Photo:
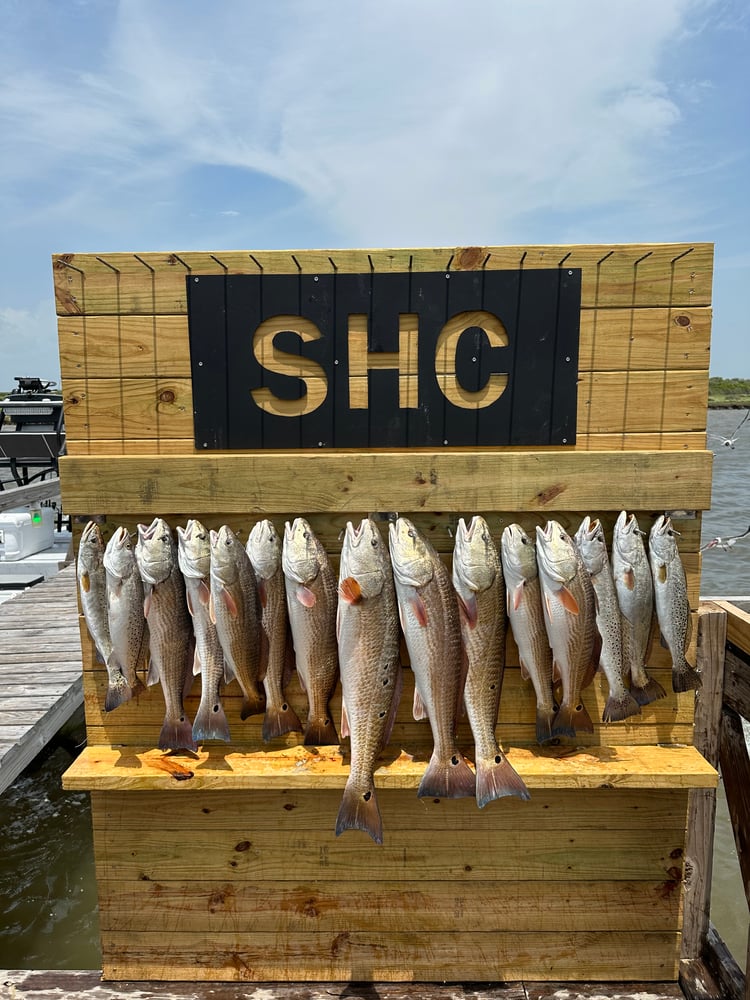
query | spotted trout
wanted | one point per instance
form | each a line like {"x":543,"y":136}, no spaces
{"x":311,"y":599}
{"x":170,"y":635}
{"x":264,"y":550}
{"x":526,"y":618}
{"x":235,"y":611}
{"x":671,"y":599}
{"x":368,"y":641}
{"x":478,"y":582}
{"x":92,"y":588}
{"x":194,"y":558}
{"x":593,"y":548}
{"x":428,"y":610}
{"x":570,"y":619}
{"x":127,"y":623}
{"x":635,"y":596}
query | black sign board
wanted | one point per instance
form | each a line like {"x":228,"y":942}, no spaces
{"x":385,"y":359}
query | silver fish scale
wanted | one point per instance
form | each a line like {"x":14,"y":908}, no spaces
{"x":608,"y":621}
{"x":637,"y":608}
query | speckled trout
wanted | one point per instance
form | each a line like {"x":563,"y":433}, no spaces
{"x":368,"y":641}
{"x":593,"y":548}
{"x":170,"y":635}
{"x":478,"y":582}
{"x":92,"y":588}
{"x":526,"y":618}
{"x":127,"y":623}
{"x":671,"y":599}
{"x":311,"y":599}
{"x":635,"y":595}
{"x":428,"y":610}
{"x":264,"y":549}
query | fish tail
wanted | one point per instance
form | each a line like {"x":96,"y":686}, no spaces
{"x":177,"y":734}
{"x":685,"y":677}
{"x":619,"y":707}
{"x":211,"y":722}
{"x":571,"y":719}
{"x":280,"y":720}
{"x":321,"y":730}
{"x":497,"y":777}
{"x":254,"y":703}
{"x":650,"y":692}
{"x":360,"y":811}
{"x":452,"y":780}
{"x":544,"y":721}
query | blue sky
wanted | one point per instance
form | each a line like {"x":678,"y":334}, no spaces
{"x":175,"y":125}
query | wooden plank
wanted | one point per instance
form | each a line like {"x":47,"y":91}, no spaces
{"x":737,"y":684}
{"x":405,"y":481}
{"x":738,"y":626}
{"x":610,"y":340}
{"x":399,"y":956}
{"x":294,"y":810}
{"x":33,"y":493}
{"x":626,"y":276}
{"x":103,"y":767}
{"x":430,"y":906}
{"x":735,"y":770}
{"x":712,"y":629}
{"x":732,"y":982}
{"x":608,"y":402}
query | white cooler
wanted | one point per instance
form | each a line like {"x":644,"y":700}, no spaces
{"x":23,"y":532}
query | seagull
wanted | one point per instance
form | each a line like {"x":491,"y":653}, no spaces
{"x":729,"y":442}
{"x":724,"y":543}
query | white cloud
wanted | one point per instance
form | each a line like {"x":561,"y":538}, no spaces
{"x":28,"y":344}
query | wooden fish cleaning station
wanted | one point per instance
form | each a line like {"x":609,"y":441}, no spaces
{"x":224,"y":866}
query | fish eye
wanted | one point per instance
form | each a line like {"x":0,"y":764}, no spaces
{"x":374,"y":542}
{"x":306,"y":535}
{"x":524,"y":539}
{"x":412,"y":533}
{"x":485,"y":537}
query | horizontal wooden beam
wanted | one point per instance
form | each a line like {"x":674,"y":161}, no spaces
{"x":104,"y":767}
{"x":467,"y":481}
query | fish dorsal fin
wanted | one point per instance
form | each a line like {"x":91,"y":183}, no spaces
{"x":419,"y":608}
{"x":305,"y":596}
{"x":229,"y":602}
{"x":567,"y":600}
{"x":629,"y":578}
{"x":419,"y":710}
{"x":350,"y":590}
{"x":689,"y":631}
{"x":399,"y":685}
{"x":262,"y":593}
{"x":468,"y":609}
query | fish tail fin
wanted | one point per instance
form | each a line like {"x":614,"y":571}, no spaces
{"x":571,"y":719}
{"x":280,"y":720}
{"x":321,"y":731}
{"x":619,"y":707}
{"x":360,"y":811}
{"x":452,"y":780}
{"x":650,"y":692}
{"x":497,"y":777}
{"x":177,"y":734}
{"x":544,"y":721}
{"x":211,"y":722}
{"x":685,"y":677}
{"x":254,"y":703}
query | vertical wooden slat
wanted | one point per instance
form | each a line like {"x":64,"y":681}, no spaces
{"x":735,"y":770}
{"x":712,"y":629}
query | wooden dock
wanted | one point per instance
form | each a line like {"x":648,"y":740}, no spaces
{"x":40,"y":669}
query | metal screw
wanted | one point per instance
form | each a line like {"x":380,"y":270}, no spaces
{"x":315,"y":278}
{"x":336,"y":361}
{"x":565,"y":440}
{"x":196,"y":279}
{"x":567,"y":357}
{"x":570,"y":272}
{"x":320,"y":443}
{"x":447,"y":276}
{"x":200,"y":364}
{"x":205,"y":444}
{"x":473,"y":359}
{"x":446,"y":441}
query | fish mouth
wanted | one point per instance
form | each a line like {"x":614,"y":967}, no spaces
{"x":120,"y":537}
{"x":355,"y":533}
{"x":92,"y":530}
{"x":589,"y":529}
{"x":147,"y":532}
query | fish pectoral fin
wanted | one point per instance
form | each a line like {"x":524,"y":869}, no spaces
{"x":196,"y":664}
{"x":305,"y":596}
{"x":229,"y":673}
{"x":525,"y":675}
{"x":204,"y":593}
{"x":350,"y":590}
{"x":661,"y":573}
{"x":229,"y":603}
{"x":153,"y":673}
{"x":189,"y":601}
{"x":629,"y":578}
{"x":147,"y":592}
{"x":262,"y":593}
{"x":419,"y":608}
{"x":419,"y":711}
{"x":468,"y":609}
{"x":85,"y":582}
{"x":567,"y":600}
{"x":556,"y":674}
{"x":212,"y":609}
{"x":662,"y":641}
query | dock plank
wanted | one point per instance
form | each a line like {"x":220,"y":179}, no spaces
{"x":40,"y":670}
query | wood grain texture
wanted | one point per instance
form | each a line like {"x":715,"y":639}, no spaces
{"x":105,"y":767}
{"x":255,"y":483}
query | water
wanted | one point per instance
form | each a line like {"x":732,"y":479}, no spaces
{"x":47,"y":878}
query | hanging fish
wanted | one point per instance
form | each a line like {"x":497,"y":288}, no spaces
{"x":127,"y":623}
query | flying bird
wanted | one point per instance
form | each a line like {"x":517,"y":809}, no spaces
{"x":724,"y":543}
{"x":728,"y":442}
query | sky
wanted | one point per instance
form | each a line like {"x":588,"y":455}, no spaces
{"x":137,"y":125}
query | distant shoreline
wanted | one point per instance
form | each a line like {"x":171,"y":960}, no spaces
{"x":729,"y":406}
